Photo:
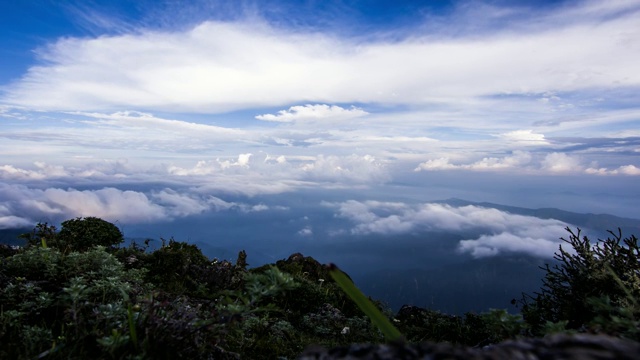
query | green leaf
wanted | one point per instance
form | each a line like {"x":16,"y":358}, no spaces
{"x":390,"y":332}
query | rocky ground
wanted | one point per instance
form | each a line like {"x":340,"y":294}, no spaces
{"x":566,"y":347}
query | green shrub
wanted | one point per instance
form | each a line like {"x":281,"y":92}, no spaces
{"x":593,"y":287}
{"x":83,"y":233}
{"x":181,"y":268}
{"x":79,"y":234}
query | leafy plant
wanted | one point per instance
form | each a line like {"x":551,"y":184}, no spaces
{"x":593,"y":286}
{"x":79,"y":234}
{"x":83,"y":233}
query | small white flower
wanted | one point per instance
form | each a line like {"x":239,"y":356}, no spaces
{"x":345,"y":330}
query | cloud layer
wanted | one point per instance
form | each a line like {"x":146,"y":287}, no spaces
{"x":121,"y":206}
{"x":522,"y":161}
{"x":259,"y":103}
{"x":219,"y":66}
{"x":502,"y":232}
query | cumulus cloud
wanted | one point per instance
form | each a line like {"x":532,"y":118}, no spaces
{"x":95,"y":170}
{"x":560,"y":163}
{"x":353,"y":168}
{"x":436,"y":164}
{"x":242,"y":161}
{"x":631,"y":170}
{"x":518,"y":159}
{"x":26,"y":206}
{"x":313,"y":112}
{"x":628,"y":170}
{"x":54,"y":203}
{"x":249,"y":174}
{"x":9,"y":171}
{"x":499,"y":231}
{"x":551,"y":163}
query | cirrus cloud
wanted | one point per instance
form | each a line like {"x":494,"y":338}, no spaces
{"x":220,"y":66}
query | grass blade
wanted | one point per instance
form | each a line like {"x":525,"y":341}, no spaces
{"x":390,"y":332}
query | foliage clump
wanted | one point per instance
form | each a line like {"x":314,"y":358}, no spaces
{"x":471,"y":329}
{"x":593,"y":287}
{"x":77,"y":234}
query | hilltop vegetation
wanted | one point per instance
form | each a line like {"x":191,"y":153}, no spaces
{"x":76,"y":292}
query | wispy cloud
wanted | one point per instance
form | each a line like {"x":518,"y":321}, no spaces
{"x":218,"y":66}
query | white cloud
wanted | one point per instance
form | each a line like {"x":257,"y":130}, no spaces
{"x":498,"y":99}
{"x":180,"y":205}
{"x":305,"y":232}
{"x":313,"y":112}
{"x":436,"y":164}
{"x":221,"y":66}
{"x":353,"y":168}
{"x":95,"y":170}
{"x":499,"y":232}
{"x":26,"y":206}
{"x":242,"y":161}
{"x":517,"y":160}
{"x":631,"y":170}
{"x":14,"y":222}
{"x":9,"y":171}
{"x":10,"y":112}
{"x":108,"y":203}
{"x":490,"y":245}
{"x":560,"y":163}
{"x":201,"y":168}
{"x":10,"y":221}
{"x":552,"y":164}
{"x":140,"y":120}
{"x":250,"y":175}
{"x":528,"y":137}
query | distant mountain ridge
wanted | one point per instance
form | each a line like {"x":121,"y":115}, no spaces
{"x":600,"y":222}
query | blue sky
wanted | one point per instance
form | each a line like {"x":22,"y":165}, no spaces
{"x":149,"y":111}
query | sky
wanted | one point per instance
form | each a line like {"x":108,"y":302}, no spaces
{"x":148,"y":112}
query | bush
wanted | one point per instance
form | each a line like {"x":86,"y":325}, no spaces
{"x":79,"y":234}
{"x":181,"y":268}
{"x":592,"y":288}
{"x":83,"y":233}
